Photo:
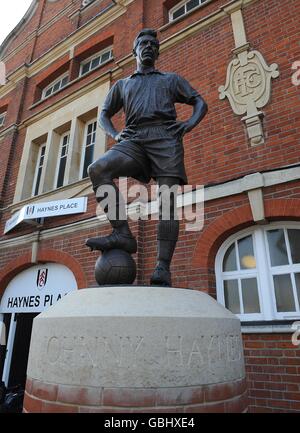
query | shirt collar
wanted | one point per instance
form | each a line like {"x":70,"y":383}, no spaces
{"x":155,"y":71}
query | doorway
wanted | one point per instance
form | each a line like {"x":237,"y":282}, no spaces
{"x":17,"y":349}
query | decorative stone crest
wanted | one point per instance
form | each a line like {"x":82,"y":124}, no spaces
{"x":248,"y":88}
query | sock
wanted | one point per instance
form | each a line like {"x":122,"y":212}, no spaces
{"x":168,"y":232}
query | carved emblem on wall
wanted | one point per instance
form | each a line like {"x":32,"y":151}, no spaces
{"x":248,"y":88}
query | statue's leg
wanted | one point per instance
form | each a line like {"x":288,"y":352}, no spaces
{"x":112,"y":165}
{"x":168,"y":230}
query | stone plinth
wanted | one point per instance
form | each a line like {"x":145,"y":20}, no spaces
{"x":136,"y":349}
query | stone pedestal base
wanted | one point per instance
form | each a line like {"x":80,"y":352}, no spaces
{"x":136,"y":349}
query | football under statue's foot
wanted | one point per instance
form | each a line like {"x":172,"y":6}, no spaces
{"x":161,"y":277}
{"x":115,"y":241}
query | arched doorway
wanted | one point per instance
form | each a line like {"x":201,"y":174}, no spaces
{"x":28,"y":294}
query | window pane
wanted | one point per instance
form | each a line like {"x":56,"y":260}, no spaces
{"x":64,"y":81}
{"x":2,"y":119}
{"x":232,"y":298}
{"x":61,"y":172}
{"x":89,"y":154}
{"x":277,"y":248}
{"x":284,"y":293}
{"x":229,"y":263}
{"x":86,"y":68}
{"x":66,"y":140}
{"x":250,"y":296}
{"x":105,"y":57}
{"x":38,"y":181}
{"x":56,"y":86}
{"x":64,"y":151}
{"x":48,"y":93}
{"x":95,"y":63}
{"x":88,"y":139}
{"x":294,"y":238}
{"x":179,"y":12}
{"x":192,"y":4}
{"x":246,"y":253}
{"x":297,"y":278}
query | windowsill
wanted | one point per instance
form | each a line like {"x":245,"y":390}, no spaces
{"x":83,"y":10}
{"x":79,"y":188}
{"x":93,"y":70}
{"x":179,"y":19}
{"x":269,"y":327}
{"x":41,"y":101}
{"x":6,"y":129}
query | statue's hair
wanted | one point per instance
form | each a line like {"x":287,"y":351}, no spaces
{"x":144,"y":32}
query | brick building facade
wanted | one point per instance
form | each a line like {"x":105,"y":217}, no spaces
{"x":242,"y":57}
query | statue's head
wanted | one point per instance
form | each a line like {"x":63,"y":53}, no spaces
{"x":146,"y":47}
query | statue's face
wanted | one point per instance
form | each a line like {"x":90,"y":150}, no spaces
{"x":147,"y":50}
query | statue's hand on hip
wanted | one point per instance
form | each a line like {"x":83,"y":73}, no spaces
{"x":125,"y":134}
{"x":180,"y":128}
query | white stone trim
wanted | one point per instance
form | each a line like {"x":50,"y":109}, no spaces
{"x":210,"y":193}
{"x":238,"y":27}
{"x":267,"y":329}
{"x":256,"y":200}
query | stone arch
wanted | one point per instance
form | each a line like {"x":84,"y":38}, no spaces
{"x":235,"y":220}
{"x":23,"y":262}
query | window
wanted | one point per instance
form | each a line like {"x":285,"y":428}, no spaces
{"x":95,"y":61}
{"x":39,"y":170}
{"x":55,"y":86}
{"x":72,"y":139}
{"x":86,"y":3}
{"x":62,"y":160}
{"x":88,"y":148}
{"x":258,"y":273}
{"x":2,"y":119}
{"x":183,"y":8}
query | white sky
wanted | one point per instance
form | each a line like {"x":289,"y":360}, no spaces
{"x":11,"y":12}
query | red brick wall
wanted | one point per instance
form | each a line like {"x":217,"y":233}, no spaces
{"x":273,"y":373}
{"x":216,"y":151}
{"x":53,"y":398}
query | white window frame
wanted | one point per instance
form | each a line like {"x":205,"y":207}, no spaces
{"x":2,"y":119}
{"x":86,"y":3}
{"x":179,"y":5}
{"x":84,"y":146}
{"x":51,"y":85}
{"x":93,"y":57}
{"x":37,"y":167}
{"x":59,"y":158}
{"x":263,"y":271}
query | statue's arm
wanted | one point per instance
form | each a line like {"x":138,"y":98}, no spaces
{"x":184,"y":93}
{"x":112,"y":105}
{"x":200,"y":109}
{"x":106,"y":124}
